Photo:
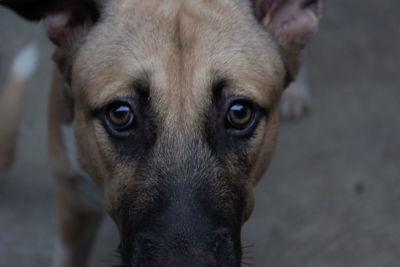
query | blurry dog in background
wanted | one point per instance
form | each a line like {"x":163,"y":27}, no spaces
{"x":296,"y":99}
{"x":11,"y":102}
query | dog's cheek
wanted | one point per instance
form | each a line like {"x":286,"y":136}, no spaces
{"x":90,"y":156}
{"x":249,"y":202}
{"x":263,"y":146}
{"x":258,"y":154}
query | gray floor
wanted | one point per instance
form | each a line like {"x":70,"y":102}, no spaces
{"x":332,"y":194}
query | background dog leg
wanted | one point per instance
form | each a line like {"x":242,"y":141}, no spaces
{"x":296,"y":99}
{"x":78,"y":226}
{"x":11,"y":101}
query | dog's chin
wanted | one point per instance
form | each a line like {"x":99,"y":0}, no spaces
{"x":204,"y":259}
{"x":218,"y":249}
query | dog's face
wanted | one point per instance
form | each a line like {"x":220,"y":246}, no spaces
{"x":176,"y":117}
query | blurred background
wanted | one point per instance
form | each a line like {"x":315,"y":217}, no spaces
{"x":332,"y":194}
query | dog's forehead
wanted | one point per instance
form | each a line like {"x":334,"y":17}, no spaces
{"x":178,"y":46}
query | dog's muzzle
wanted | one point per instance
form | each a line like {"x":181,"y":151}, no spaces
{"x":183,"y":210}
{"x":185,"y":232}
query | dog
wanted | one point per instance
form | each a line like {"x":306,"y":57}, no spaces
{"x":171,"y":108}
{"x":11,"y":100}
{"x":296,"y":99}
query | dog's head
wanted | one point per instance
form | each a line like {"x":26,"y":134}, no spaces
{"x":176,"y":112}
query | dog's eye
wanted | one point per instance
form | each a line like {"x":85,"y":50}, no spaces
{"x":120,"y":116}
{"x":240,"y":115}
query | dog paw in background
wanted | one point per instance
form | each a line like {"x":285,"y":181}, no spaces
{"x":296,"y":99}
{"x":11,"y":102}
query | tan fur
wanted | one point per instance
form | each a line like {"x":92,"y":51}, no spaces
{"x":11,"y":100}
{"x":178,"y":60}
{"x":78,"y":217}
{"x":179,"y":47}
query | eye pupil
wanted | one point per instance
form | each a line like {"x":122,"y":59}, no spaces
{"x":239,"y":111}
{"x":121,"y":112}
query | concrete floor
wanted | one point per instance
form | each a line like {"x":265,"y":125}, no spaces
{"x":332,"y":194}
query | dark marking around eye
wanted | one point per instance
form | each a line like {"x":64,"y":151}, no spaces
{"x":230,"y":120}
{"x":130,"y":121}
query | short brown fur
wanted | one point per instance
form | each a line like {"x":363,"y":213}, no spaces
{"x":180,"y":49}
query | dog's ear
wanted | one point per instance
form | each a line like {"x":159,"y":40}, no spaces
{"x":64,"y":20}
{"x":29,"y":9}
{"x":292,"y":23}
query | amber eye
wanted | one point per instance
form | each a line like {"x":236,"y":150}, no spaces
{"x":240,"y":115}
{"x":120,"y":116}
